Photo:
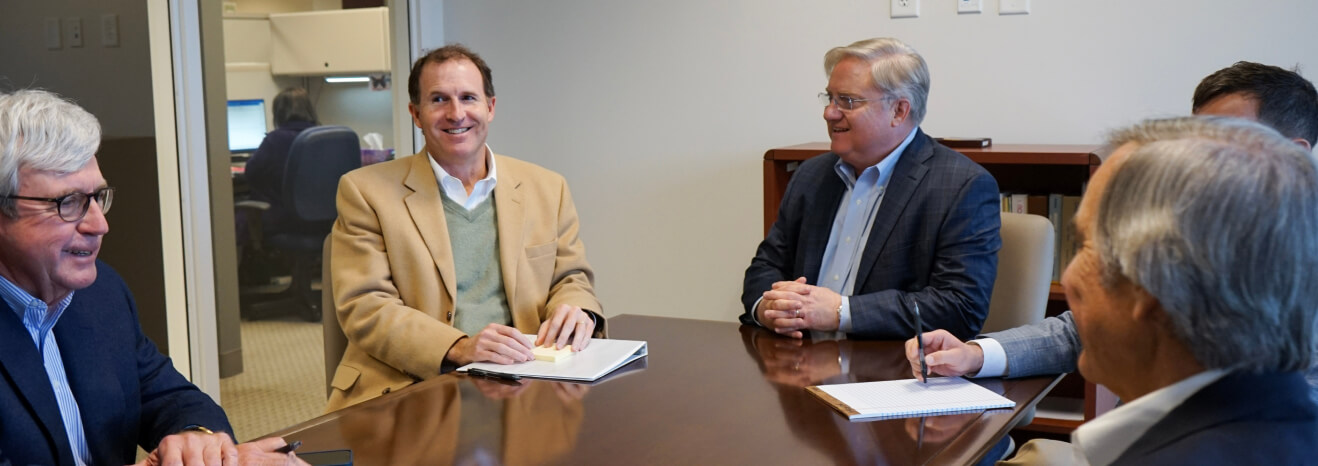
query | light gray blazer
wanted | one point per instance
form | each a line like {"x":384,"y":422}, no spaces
{"x":1052,"y":346}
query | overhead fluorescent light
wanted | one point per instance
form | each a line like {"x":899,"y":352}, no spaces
{"x":348,"y":79}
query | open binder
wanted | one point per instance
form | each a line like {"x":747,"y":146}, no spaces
{"x":600,"y":357}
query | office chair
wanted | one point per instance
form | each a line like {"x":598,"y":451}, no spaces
{"x":1025,"y":273}
{"x":317,"y":159}
{"x":335,"y":341}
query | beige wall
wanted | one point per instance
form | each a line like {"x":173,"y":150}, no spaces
{"x":114,"y":84}
{"x":659,"y":113}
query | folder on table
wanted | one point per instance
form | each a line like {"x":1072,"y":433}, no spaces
{"x":908,"y":398}
{"x":600,"y":357}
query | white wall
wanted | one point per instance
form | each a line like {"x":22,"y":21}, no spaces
{"x":659,"y":113}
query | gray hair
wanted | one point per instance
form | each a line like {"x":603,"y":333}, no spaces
{"x":898,"y":70}
{"x":1215,"y":217}
{"x":41,"y":131}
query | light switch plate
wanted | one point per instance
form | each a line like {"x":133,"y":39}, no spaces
{"x":1014,"y":7}
{"x":110,"y":30}
{"x":51,"y":32}
{"x":969,"y":6}
{"x":73,"y":27}
{"x":905,"y":8}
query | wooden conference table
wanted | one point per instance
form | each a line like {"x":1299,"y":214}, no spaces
{"x":708,"y":393}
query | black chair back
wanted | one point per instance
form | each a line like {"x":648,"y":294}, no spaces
{"x":317,"y":159}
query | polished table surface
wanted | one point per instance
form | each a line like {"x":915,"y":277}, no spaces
{"x":708,"y":393}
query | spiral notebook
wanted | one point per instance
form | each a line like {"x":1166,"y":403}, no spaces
{"x":908,"y":398}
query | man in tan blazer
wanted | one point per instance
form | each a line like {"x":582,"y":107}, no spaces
{"x":447,"y":257}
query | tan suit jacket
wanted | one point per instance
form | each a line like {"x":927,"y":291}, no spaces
{"x":394,"y":282}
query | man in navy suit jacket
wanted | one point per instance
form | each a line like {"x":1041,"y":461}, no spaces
{"x":886,"y":222}
{"x":79,"y":382}
{"x":1193,"y":303}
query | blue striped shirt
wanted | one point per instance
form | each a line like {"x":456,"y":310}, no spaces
{"x":39,"y":320}
{"x":852,"y":225}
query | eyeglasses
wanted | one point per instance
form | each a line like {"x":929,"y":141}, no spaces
{"x":73,"y":206}
{"x":842,"y":101}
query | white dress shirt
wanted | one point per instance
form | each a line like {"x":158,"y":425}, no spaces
{"x":455,"y":190}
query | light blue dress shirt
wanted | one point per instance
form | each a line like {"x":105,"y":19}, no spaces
{"x":852,"y":225}
{"x":39,"y":320}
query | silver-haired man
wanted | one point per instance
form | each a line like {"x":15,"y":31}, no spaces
{"x":1192,"y":297}
{"x":79,"y":382}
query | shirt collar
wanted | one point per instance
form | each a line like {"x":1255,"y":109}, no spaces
{"x":1104,"y":439}
{"x":32,"y":310}
{"x":884,"y":167}
{"x":441,"y":174}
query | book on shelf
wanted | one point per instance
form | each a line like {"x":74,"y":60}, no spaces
{"x":1059,"y":209}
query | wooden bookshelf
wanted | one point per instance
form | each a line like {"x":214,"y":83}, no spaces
{"x":1025,"y":168}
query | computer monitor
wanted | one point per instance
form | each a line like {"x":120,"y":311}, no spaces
{"x":246,"y":125}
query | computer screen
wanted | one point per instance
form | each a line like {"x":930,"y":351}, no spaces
{"x":246,"y":125}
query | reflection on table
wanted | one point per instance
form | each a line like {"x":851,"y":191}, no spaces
{"x":708,"y":393}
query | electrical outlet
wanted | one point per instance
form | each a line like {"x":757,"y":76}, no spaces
{"x":110,"y":30}
{"x":905,"y":8}
{"x":969,"y":6}
{"x":73,"y":27}
{"x":1014,"y":7}
{"x":51,"y":32}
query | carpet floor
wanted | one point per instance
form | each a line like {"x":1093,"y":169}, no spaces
{"x":283,"y":378}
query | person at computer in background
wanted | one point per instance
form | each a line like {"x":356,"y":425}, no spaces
{"x":1194,"y":303}
{"x":81,"y":384}
{"x":447,"y":257}
{"x":265,"y":169}
{"x":889,"y":217}
{"x":1270,"y":95}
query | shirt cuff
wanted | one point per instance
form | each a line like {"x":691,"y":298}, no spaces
{"x":995,"y":358}
{"x":844,"y":315}
{"x":755,"y":315}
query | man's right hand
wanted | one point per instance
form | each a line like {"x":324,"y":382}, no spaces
{"x":499,"y":344}
{"x":945,"y":355}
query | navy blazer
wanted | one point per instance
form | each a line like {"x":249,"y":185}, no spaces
{"x":1240,"y":419}
{"x":128,"y":393}
{"x":935,"y":240}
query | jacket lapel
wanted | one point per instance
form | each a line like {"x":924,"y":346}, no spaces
{"x":427,"y":210}
{"x":509,"y":213}
{"x":23,"y":369}
{"x":906,"y":177}
{"x":92,"y":374}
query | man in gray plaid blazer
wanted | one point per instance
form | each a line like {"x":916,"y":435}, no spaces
{"x":888,"y":220}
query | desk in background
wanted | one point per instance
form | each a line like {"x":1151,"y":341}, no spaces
{"x":708,"y":393}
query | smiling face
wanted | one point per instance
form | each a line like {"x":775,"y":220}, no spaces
{"x":452,"y":111}
{"x":40,"y":252}
{"x":866,"y":134}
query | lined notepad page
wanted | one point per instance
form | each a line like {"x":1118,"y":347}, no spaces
{"x":910,"y":397}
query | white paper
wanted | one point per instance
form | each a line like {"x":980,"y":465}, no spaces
{"x":910,"y":397}
{"x":599,"y":358}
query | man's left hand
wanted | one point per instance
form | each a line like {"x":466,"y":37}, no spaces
{"x":567,"y":325}
{"x":817,"y":306}
{"x":193,"y":448}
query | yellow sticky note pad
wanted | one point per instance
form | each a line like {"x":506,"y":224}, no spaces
{"x":543,"y":353}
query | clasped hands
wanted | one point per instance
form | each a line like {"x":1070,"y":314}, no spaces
{"x":198,"y":448}
{"x":945,"y":355}
{"x":501,"y":344}
{"x":789,"y":308}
